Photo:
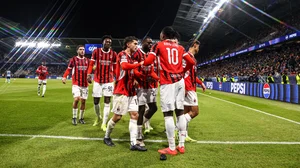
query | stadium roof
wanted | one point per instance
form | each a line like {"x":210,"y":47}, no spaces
{"x":232,"y":22}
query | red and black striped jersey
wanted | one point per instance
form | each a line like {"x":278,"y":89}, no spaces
{"x":42,"y":71}
{"x":104,"y":65}
{"x":139,"y":56}
{"x":125,"y":76}
{"x":190,"y":76}
{"x":79,"y":67}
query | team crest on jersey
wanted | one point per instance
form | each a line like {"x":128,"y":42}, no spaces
{"x":194,"y":100}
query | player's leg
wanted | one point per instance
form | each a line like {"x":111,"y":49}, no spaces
{"x":97,"y":93}
{"x":107,"y":92}
{"x":152,"y":107}
{"x":181,"y":121}
{"x":84,"y":96}
{"x":76,"y":95}
{"x":119,"y":109}
{"x":147,"y":125}
{"x":44,"y":87}
{"x":39,"y":87}
{"x":8,"y":79}
{"x":133,"y":129}
{"x":191,"y":110}
{"x":141,"y":111}
{"x":167,"y":99}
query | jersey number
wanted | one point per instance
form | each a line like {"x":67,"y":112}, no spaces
{"x":172,"y":56}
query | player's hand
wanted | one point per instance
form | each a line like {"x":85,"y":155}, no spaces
{"x":135,"y":83}
{"x":89,"y":79}
{"x":142,"y":63}
{"x":150,"y":79}
{"x":203,"y":87}
{"x":63,"y":80}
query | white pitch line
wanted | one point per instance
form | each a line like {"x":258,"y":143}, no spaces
{"x":148,"y":140}
{"x":251,"y":109}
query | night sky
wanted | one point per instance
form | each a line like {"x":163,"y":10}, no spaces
{"x":87,"y":19}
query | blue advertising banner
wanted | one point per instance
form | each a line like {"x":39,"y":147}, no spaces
{"x":89,"y":48}
{"x":286,"y":93}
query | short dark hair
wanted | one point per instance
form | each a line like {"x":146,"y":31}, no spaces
{"x":105,"y":37}
{"x":79,"y":46}
{"x":127,"y":40}
{"x":170,"y":33}
{"x":192,"y":42}
{"x":145,"y":38}
{"x":177,"y":36}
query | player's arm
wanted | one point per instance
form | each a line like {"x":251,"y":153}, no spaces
{"x":67,"y":72}
{"x":114,"y":62}
{"x":128,"y":66}
{"x":38,"y":71}
{"x":91,"y":65}
{"x":189,"y":62}
{"x":153,"y":74}
{"x":152,"y":55}
{"x":138,"y":74}
{"x":201,"y":83}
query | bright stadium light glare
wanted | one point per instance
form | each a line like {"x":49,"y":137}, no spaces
{"x":36,"y":43}
{"x":31,"y":44}
{"x":19,"y":44}
{"x":205,"y":20}
{"x":55,"y":45}
{"x":43,"y":45}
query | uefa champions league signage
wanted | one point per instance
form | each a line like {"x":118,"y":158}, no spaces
{"x":89,"y":48}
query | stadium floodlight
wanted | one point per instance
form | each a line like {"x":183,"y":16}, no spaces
{"x":25,"y":44}
{"x":210,"y":16}
{"x":55,"y":45}
{"x":43,"y":44}
{"x":36,"y":43}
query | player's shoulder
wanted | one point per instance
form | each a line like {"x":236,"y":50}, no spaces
{"x":181,"y":47}
{"x":137,"y":52}
{"x":114,"y":52}
{"x":159,"y":44}
{"x":122,"y":53}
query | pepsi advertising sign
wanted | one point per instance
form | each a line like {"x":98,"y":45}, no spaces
{"x":89,"y":48}
{"x":239,"y":88}
{"x":266,"y":90}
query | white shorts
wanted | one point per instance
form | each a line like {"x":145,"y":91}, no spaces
{"x":146,"y":96}
{"x":191,"y":98}
{"x":42,"y":81}
{"x":172,"y":96}
{"x":123,"y":104}
{"x":105,"y":89}
{"x":81,"y":92}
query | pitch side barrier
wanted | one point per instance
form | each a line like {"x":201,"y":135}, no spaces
{"x":50,"y":77}
{"x":283,"y":92}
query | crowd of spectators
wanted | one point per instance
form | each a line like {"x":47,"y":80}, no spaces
{"x":275,"y":61}
{"x":263,"y":34}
